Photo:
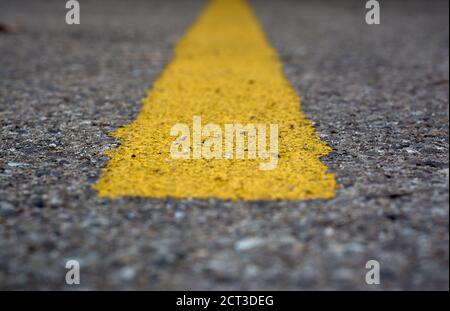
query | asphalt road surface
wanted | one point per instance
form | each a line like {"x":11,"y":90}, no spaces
{"x":378,"y":95}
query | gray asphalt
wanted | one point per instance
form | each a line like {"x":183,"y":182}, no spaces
{"x":377,"y":94}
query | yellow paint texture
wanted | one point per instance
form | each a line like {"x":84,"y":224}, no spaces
{"x":225,"y":71}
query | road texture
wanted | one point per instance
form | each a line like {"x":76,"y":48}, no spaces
{"x":378,"y":96}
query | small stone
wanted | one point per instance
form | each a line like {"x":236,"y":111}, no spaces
{"x":127,"y":273}
{"x":16,"y":164}
{"x":410,"y":151}
{"x":329,"y":231}
{"x":249,"y":243}
{"x":251,"y":271}
{"x":179,"y":215}
{"x":354,"y":247}
{"x":6,"y":207}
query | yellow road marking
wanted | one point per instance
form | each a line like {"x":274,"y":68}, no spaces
{"x":225,"y":71}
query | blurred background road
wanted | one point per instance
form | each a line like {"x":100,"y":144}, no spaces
{"x":377,"y":94}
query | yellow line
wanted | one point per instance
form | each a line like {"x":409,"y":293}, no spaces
{"x":224,"y":71}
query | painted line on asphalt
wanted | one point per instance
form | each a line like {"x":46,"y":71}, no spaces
{"x":225,"y":72}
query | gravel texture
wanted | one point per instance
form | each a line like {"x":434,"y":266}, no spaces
{"x":378,"y":95}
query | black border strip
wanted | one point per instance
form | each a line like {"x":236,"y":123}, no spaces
{"x":159,"y":300}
